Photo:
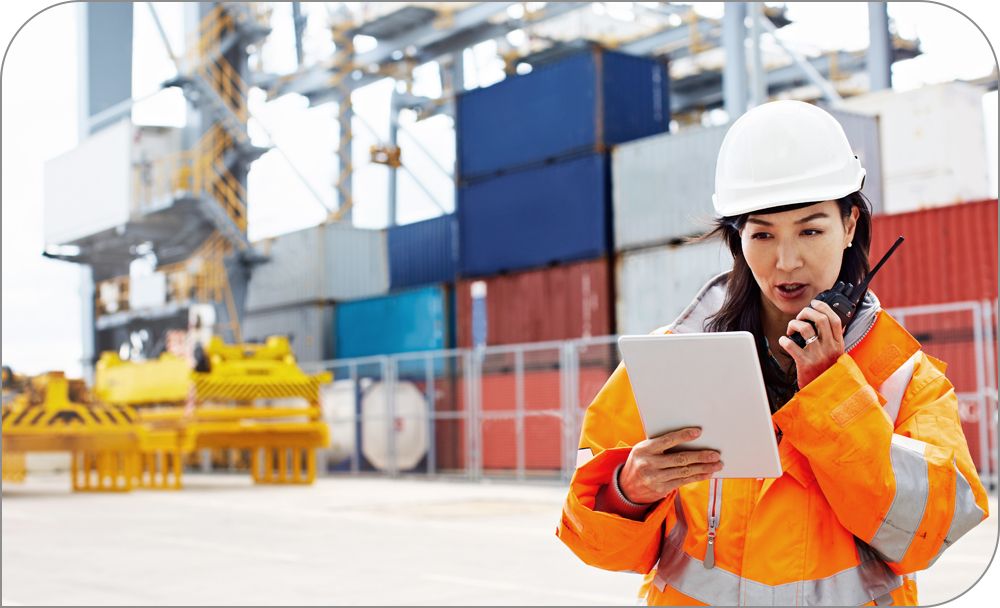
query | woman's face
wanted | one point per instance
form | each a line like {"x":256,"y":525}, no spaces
{"x":795,"y":255}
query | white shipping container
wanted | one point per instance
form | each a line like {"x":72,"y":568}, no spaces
{"x":309,"y":328}
{"x":331,"y":262}
{"x":933,"y":144}
{"x":662,"y":185}
{"x":655,"y":285}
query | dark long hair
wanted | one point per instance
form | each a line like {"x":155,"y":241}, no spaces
{"x":741,"y":309}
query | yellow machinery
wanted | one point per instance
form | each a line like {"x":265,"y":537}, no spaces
{"x":229,"y":407}
{"x":107,"y":445}
{"x":282,"y":438}
{"x":163,"y":380}
{"x":147,"y":418}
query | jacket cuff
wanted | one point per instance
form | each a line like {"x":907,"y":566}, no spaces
{"x":611,"y":499}
{"x":593,"y":490}
{"x":821,"y":409}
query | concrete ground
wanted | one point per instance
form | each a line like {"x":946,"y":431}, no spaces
{"x":343,"y":541}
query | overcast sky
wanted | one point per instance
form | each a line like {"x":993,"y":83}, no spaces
{"x":41,"y":307}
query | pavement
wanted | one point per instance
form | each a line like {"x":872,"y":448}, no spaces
{"x":344,"y":540}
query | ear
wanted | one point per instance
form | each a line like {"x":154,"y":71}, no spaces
{"x":850,"y":223}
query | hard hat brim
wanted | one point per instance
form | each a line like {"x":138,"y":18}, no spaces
{"x":753,"y":205}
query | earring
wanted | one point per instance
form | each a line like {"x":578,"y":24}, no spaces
{"x":851,"y":244}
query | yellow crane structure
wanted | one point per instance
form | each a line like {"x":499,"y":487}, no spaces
{"x":145,"y":416}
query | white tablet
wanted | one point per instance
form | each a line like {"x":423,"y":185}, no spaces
{"x":712,"y":381}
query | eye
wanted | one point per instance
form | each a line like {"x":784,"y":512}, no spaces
{"x":812,"y":232}
{"x":760,"y":235}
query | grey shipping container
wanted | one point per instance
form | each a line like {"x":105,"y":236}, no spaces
{"x":662,"y":185}
{"x":655,"y":285}
{"x":309,"y":328}
{"x":327,"y":262}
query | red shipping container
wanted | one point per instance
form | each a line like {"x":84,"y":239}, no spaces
{"x":556,"y":303}
{"x":950,"y":255}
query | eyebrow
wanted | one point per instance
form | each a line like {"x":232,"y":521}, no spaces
{"x":808,"y":218}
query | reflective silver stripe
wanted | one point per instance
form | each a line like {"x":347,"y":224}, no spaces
{"x":909,"y":468}
{"x":869,"y":580}
{"x":584,"y":456}
{"x":966,"y":515}
{"x":894,"y":387}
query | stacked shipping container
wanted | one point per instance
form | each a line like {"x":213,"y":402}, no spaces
{"x":423,"y":253}
{"x":535,"y":226}
{"x":541,"y":210}
{"x":417,"y":315}
{"x":293,"y":293}
{"x":534,"y":193}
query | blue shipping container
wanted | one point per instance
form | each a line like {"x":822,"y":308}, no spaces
{"x":584,"y":103}
{"x":535,"y":217}
{"x":423,"y":253}
{"x":409,"y":321}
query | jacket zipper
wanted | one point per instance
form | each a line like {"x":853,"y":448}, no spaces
{"x":714,"y":514}
{"x":854,"y":343}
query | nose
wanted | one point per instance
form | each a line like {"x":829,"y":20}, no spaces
{"x":789,"y":257}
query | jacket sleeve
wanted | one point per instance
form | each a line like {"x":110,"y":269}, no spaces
{"x":610,"y":427}
{"x":908,"y":491}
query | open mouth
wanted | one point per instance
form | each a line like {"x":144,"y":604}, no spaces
{"x":791,"y":291}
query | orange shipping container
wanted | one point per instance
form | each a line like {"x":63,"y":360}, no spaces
{"x":556,"y":303}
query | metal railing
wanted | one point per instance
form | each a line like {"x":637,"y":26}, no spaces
{"x":198,"y":172}
{"x":516,"y":411}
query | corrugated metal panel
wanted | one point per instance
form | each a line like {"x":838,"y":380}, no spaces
{"x":534,"y":217}
{"x":356,"y":263}
{"x":330,"y":262}
{"x":558,"y":303}
{"x":933,"y":142}
{"x":292,"y":275}
{"x":863,"y":133}
{"x":583,"y":103}
{"x":408,"y":321}
{"x":655,"y":285}
{"x":308,"y":327}
{"x":950,"y":255}
{"x":423,"y":253}
{"x":663,"y":185}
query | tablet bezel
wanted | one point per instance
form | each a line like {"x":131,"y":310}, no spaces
{"x":664,"y":365}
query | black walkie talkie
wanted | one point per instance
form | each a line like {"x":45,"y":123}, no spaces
{"x":844,"y":298}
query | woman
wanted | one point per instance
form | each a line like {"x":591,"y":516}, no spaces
{"x":877,"y":479}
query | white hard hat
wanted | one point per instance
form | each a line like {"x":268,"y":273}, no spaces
{"x":783,"y":153}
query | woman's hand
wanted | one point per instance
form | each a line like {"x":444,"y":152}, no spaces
{"x":650,"y":474}
{"x":820,"y":353}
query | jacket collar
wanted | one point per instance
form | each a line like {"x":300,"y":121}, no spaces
{"x":710,"y":298}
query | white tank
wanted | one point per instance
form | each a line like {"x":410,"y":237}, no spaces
{"x":409,"y":424}
{"x":337,"y":399}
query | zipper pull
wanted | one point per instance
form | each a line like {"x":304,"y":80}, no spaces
{"x":710,"y":550}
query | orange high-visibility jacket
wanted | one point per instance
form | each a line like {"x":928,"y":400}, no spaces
{"x":877,"y":481}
